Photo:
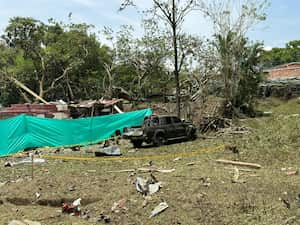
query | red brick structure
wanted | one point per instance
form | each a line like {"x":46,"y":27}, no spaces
{"x":290,"y":70}
{"x":40,"y":110}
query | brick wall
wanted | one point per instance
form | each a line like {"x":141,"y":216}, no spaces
{"x":285,"y":71}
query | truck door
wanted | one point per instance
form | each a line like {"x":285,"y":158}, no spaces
{"x":179,"y":127}
{"x":167,"y":125}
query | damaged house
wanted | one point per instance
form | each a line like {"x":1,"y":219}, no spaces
{"x":282,"y":81}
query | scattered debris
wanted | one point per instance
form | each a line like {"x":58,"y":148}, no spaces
{"x":75,"y":148}
{"x":37,"y":195}
{"x":109,"y":151}
{"x":153,"y":188}
{"x":118,"y":206}
{"x":236,"y":176}
{"x":29,"y":160}
{"x":16,"y":222}
{"x":72,"y":188}
{"x":192,"y":163}
{"x":158,"y":209}
{"x":73,"y":209}
{"x":232,"y":148}
{"x":122,"y":171}
{"x":177,"y":159}
{"x":240,"y":169}
{"x":104,"y":218}
{"x":213,"y":124}
{"x":238,"y":163}
{"x":205,"y":181}
{"x":8,"y":164}
{"x":292,"y":173}
{"x":235,"y":130}
{"x":25,"y":222}
{"x":286,"y":203}
{"x":85,"y":215}
{"x":149,"y":186}
{"x":154,"y":169}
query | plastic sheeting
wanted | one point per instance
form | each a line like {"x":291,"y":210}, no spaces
{"x":23,"y":131}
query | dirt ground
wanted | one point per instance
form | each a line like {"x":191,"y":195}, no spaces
{"x":201,"y":192}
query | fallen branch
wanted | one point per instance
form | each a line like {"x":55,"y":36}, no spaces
{"x":238,"y":163}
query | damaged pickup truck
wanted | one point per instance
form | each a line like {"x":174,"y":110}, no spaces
{"x":159,"y":130}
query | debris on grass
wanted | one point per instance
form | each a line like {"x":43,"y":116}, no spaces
{"x":122,"y":171}
{"x":25,"y":222}
{"x":292,"y":173}
{"x":154,"y":169}
{"x":109,"y":151}
{"x":73,"y":209}
{"x":236,"y":176}
{"x":233,"y":148}
{"x":238,"y":163}
{"x":16,"y":222}
{"x":103,"y":217}
{"x":177,"y":159}
{"x":240,"y":169}
{"x":37,"y":195}
{"x":72,"y":188}
{"x":147,"y":186}
{"x":159,"y":209}
{"x":286,"y":203}
{"x":119,"y":206}
{"x":29,"y":160}
{"x":192,"y":163}
{"x":8,"y":164}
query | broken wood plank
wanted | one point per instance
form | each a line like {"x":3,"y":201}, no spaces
{"x":240,"y":169}
{"x":239,"y":163}
{"x":122,"y":171}
{"x":151,"y":169}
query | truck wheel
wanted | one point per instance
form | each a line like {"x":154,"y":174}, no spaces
{"x":192,"y":136}
{"x":159,"y":140}
{"x":137,"y":143}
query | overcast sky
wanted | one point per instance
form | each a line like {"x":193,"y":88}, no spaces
{"x":281,"y":26}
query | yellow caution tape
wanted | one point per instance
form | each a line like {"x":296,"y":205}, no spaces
{"x":152,"y":157}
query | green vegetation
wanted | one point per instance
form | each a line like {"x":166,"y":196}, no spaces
{"x":69,"y":62}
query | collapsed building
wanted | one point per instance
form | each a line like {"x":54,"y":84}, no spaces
{"x":281,"y":81}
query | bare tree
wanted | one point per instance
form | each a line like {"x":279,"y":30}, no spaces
{"x":172,"y":13}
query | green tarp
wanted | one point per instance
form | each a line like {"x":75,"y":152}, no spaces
{"x":23,"y":131}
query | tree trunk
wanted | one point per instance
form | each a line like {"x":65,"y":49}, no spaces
{"x":176,"y":70}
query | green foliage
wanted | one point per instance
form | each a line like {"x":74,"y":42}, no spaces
{"x":56,"y":60}
{"x":251,"y":76}
{"x":278,"y":56}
